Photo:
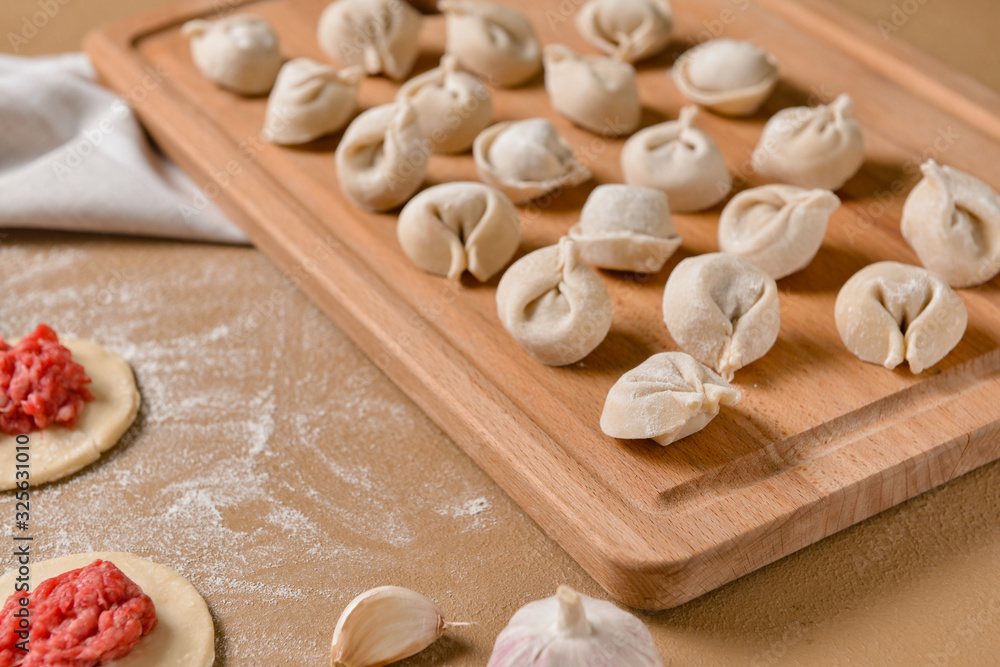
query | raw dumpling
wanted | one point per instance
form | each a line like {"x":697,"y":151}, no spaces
{"x":723,"y":310}
{"x":821,"y":147}
{"x":667,"y":397}
{"x":597,"y":93}
{"x":679,"y":159}
{"x":450,"y":228}
{"x":631,"y":30}
{"x":453,"y":106}
{"x":382,"y":158}
{"x":728,"y":76}
{"x":382,"y":36}
{"x":779,"y":227}
{"x":888,"y":312}
{"x":310,"y":99}
{"x":496,"y":42}
{"x":526,"y":159}
{"x":626,"y":228}
{"x":238,"y":52}
{"x":952,"y":220}
{"x":556,"y":307}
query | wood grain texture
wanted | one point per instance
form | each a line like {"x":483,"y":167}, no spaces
{"x":820,"y":441}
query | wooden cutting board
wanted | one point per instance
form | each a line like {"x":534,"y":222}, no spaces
{"x":820,"y":440}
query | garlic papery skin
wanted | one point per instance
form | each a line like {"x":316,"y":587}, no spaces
{"x":574,"y":630}
{"x":384,"y":625}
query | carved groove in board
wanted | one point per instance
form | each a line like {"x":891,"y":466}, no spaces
{"x":777,"y":458}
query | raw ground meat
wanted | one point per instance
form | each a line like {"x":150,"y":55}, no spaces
{"x":40,"y":384}
{"x":81,"y":618}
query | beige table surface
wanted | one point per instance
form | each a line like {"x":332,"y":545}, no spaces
{"x":282,"y":474}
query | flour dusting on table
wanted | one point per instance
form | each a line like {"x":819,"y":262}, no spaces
{"x":232,"y":474}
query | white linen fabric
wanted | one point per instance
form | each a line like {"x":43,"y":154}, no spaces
{"x":73,"y":156}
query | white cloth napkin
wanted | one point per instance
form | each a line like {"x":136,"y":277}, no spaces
{"x":73,"y":156}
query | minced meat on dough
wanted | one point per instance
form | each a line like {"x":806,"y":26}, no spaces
{"x":40,"y":384}
{"x":81,"y":618}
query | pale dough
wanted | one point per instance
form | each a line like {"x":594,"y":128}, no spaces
{"x":58,"y":452}
{"x":821,"y":147}
{"x":626,"y":228}
{"x":310,"y":99}
{"x":778,"y":227}
{"x":723,"y":310}
{"x":496,"y":42}
{"x":526,"y":159}
{"x":679,"y":159}
{"x":185,"y":633}
{"x":890,"y":312}
{"x":554,"y":306}
{"x":728,"y":76}
{"x":238,"y":52}
{"x":453,"y":106}
{"x":453,"y":227}
{"x":597,"y":93}
{"x":382,"y":36}
{"x":666,"y":398}
{"x":631,"y":30}
{"x":952,"y":221}
{"x":382,"y":158}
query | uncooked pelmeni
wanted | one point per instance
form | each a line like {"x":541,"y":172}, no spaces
{"x":679,"y":159}
{"x":526,"y":159}
{"x":238,"y":52}
{"x":382,"y":158}
{"x":555,"y":306}
{"x":728,"y":76}
{"x":453,"y":227}
{"x":888,"y":312}
{"x":597,"y":93}
{"x":382,"y":36}
{"x":184,"y":632}
{"x":310,"y":99}
{"x":723,"y":310}
{"x":58,"y":452}
{"x":496,"y":42}
{"x":631,"y":30}
{"x":453,"y":106}
{"x":667,"y":397}
{"x":626,"y":228}
{"x":779,"y":227}
{"x":812,"y":147}
{"x":952,"y":221}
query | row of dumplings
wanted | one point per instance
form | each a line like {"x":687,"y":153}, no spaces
{"x":722,"y":308}
{"x":723,"y":311}
{"x":820,"y":147}
{"x":383,"y":155}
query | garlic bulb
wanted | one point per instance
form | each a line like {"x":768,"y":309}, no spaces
{"x":383,"y":625}
{"x":570,"y":630}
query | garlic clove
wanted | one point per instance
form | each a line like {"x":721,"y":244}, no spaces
{"x":383,"y":625}
{"x":570,"y":630}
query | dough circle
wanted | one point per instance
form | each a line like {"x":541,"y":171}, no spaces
{"x":58,"y":452}
{"x":185,"y":633}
